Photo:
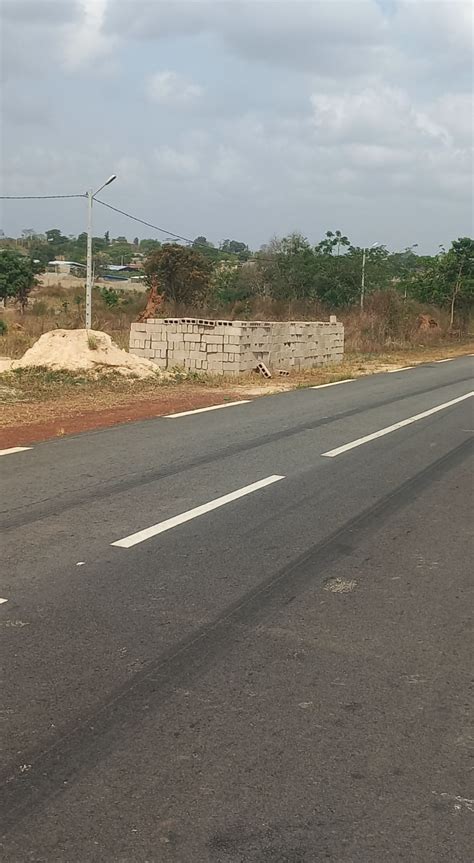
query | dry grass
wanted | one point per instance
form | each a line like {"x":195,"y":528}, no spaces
{"x":387,"y":324}
{"x":384,"y":335}
{"x":56,"y":306}
{"x":32,"y":396}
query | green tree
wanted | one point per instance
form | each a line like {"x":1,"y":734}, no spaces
{"x":120,"y":253}
{"x":110,"y":297}
{"x":333,"y":240}
{"x":234,"y":247}
{"x":101,"y":261}
{"x":290,"y":268}
{"x":57,"y":242}
{"x":40,"y":252}
{"x":183,"y":274}
{"x":147,"y":246}
{"x":201,"y":244}
{"x":448,"y":280}
{"x":17,"y":276}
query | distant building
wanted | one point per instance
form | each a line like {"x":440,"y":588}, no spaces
{"x":65,"y":267}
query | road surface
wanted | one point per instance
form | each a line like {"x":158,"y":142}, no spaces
{"x":243,"y":634}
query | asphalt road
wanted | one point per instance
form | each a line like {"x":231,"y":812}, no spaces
{"x":232,"y":637}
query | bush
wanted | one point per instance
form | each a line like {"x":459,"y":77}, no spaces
{"x":3,"y":327}
{"x":110,"y":297}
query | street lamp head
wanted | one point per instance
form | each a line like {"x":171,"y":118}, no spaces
{"x":110,"y":180}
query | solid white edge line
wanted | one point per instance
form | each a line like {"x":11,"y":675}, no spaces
{"x":332,"y":384}
{"x":340,"y":449}
{"x":3,"y":600}
{"x":13,"y":449}
{"x":162,"y":526}
{"x":402,"y":369}
{"x":448,"y":360}
{"x":203,"y":410}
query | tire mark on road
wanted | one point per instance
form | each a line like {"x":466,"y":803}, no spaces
{"x":83,"y":746}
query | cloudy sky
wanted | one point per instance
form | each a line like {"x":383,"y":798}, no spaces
{"x":241,"y":119}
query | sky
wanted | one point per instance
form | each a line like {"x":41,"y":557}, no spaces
{"x":241,"y":120}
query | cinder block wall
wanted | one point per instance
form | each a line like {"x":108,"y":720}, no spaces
{"x":231,"y":347}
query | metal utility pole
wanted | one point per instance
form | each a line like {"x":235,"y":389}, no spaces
{"x":90,"y":197}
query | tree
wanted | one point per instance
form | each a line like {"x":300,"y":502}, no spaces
{"x":290,"y":268}
{"x":17,"y":276}
{"x":110,"y":297}
{"x":333,"y":240}
{"x":201,"y":244}
{"x":57,"y":242}
{"x":201,"y":241}
{"x":147,"y":246}
{"x":183,"y":274}
{"x":107,"y":238}
{"x":120,"y":253}
{"x":40,"y":252}
{"x":136,"y":242}
{"x":234,"y":247}
{"x":448,"y":280}
{"x":101,"y":262}
{"x":28,"y":234}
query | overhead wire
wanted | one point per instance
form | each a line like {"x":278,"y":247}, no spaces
{"x":193,"y":243}
{"x":38,"y":197}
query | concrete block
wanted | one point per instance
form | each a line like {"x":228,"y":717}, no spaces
{"x":264,"y":370}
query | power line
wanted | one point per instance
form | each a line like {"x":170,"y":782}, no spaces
{"x":122,"y":213}
{"x":37,"y":197}
{"x":193,"y":243}
{"x":155,"y":227}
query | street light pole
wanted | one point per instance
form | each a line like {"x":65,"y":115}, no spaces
{"x":89,"y":262}
{"x":362,"y":284}
{"x":90,"y":197}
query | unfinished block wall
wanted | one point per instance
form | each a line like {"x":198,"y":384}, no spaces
{"x":231,"y":347}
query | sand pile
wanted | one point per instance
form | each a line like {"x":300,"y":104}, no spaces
{"x":84,"y":350}
{"x":5,"y":364}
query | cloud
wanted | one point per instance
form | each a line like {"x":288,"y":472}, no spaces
{"x":84,"y":41}
{"x":378,"y":114}
{"x":171,"y":161}
{"x":337,"y":113}
{"x":170,"y":88}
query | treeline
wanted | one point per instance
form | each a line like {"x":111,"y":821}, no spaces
{"x":329,"y":273}
{"x":201,"y":276}
{"x":108,"y":250}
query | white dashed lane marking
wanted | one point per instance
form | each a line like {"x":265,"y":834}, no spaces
{"x":362,"y":440}
{"x":162,"y":526}
{"x":333,"y":384}
{"x":203,"y":410}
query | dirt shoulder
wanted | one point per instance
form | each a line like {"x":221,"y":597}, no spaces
{"x":37,"y":405}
